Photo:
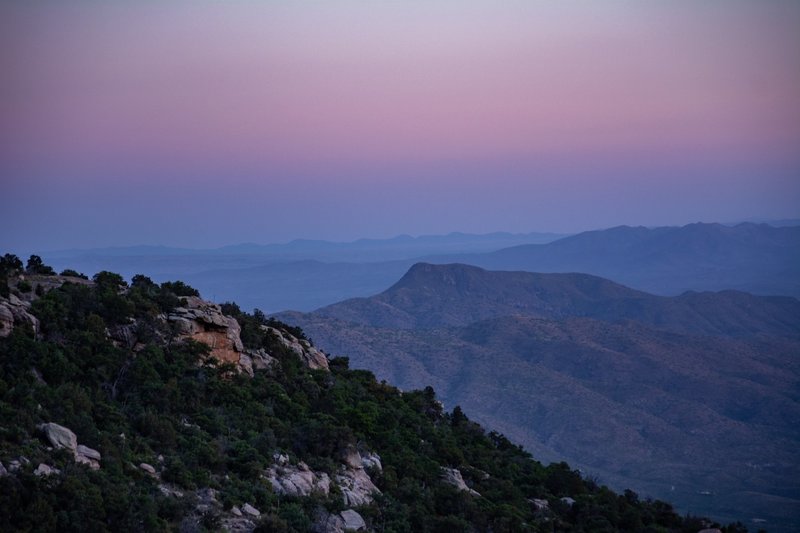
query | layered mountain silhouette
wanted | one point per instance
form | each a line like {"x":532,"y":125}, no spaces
{"x":693,"y":397}
{"x":305,"y":275}
{"x":756,"y":258}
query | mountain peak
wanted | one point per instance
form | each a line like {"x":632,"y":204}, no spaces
{"x":427,"y":274}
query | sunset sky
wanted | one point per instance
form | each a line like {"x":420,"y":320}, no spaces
{"x":209,"y":123}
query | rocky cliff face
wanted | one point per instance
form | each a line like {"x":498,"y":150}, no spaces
{"x":204,"y":322}
{"x":196,"y":319}
{"x":14,"y":313}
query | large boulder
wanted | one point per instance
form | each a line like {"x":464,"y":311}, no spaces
{"x":347,"y":520}
{"x":44,"y":470}
{"x":352,"y":520}
{"x":299,"y":480}
{"x":59,"y":436}
{"x":149,"y":469}
{"x":62,"y":437}
{"x":356,"y":486}
{"x":88,"y":456}
{"x":351,"y":457}
{"x":452,"y":476}
{"x":87,"y":452}
{"x":250,"y":510}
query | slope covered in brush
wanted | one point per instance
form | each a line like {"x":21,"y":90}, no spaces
{"x":136,"y":408}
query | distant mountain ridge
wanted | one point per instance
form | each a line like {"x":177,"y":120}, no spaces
{"x":317,"y":248}
{"x":687,"y":396}
{"x":751,"y":257}
{"x":305,"y":275}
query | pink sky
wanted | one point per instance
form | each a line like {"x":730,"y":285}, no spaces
{"x":670,"y":99}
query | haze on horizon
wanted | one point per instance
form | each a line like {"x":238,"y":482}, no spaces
{"x":202,"y":124}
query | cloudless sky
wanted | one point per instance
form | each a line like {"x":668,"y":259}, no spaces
{"x":209,"y":123}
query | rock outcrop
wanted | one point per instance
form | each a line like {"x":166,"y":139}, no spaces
{"x":347,"y":520}
{"x":198,"y":319}
{"x":15,"y":309}
{"x":371,"y":460}
{"x":297,"y":480}
{"x":204,"y":322}
{"x":353,"y":481}
{"x":61,"y":437}
{"x":311,"y":356}
{"x":452,"y":476}
{"x":14,"y":312}
{"x":239,"y":519}
{"x":356,"y":486}
{"x":44,"y":470}
{"x":352,"y":520}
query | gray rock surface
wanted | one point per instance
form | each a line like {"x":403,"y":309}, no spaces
{"x":44,"y":470}
{"x":15,"y":464}
{"x":6,"y":320}
{"x":13,"y":313}
{"x":297,"y":480}
{"x":250,"y":510}
{"x":453,"y":477}
{"x":540,"y":504}
{"x":62,"y":437}
{"x":356,"y":486}
{"x":311,"y":356}
{"x":371,"y":460}
{"x":148,"y":468}
{"x":59,"y":436}
{"x":88,"y":452}
{"x":170,"y":491}
{"x":352,"y":458}
{"x":352,"y":520}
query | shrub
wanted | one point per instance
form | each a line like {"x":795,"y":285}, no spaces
{"x":179,"y":288}
{"x":36,"y":266}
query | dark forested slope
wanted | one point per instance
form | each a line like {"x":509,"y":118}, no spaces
{"x":141,"y":407}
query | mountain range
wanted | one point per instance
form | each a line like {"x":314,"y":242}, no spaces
{"x":693,"y":397}
{"x":306,"y":275}
{"x":757,"y":258}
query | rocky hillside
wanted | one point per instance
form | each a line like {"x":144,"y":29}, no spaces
{"x":431,"y":296}
{"x":141,"y":407}
{"x":629,"y":386}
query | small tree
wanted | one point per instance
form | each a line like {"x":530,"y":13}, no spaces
{"x":10,"y":263}
{"x":36,"y":266}
{"x":179,"y":288}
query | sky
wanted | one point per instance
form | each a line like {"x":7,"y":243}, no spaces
{"x":208,"y":123}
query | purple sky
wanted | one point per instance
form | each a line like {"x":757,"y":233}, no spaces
{"x":209,"y":123}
